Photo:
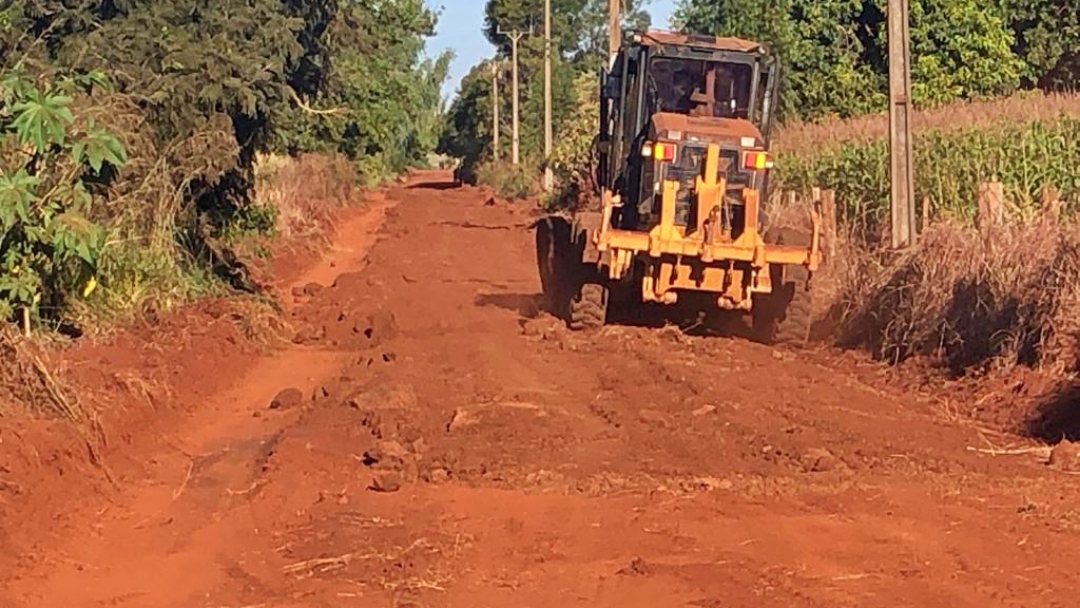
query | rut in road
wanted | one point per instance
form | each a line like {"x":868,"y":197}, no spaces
{"x":457,"y":447}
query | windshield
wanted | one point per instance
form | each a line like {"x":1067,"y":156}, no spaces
{"x":700,"y":88}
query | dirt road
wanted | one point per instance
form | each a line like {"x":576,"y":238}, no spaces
{"x":452,"y":446}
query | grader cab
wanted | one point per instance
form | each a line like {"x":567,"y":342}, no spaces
{"x":683,"y":168}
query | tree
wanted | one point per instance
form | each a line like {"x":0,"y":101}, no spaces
{"x":593,"y":23}
{"x":1047,"y":38}
{"x":580,"y":41}
{"x":202,"y":87}
{"x":383,"y":99}
{"x":819,"y":42}
{"x":961,"y":49}
{"x":467,"y":130}
{"x":834,"y":51}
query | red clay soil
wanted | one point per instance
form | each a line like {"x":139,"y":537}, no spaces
{"x":450,"y":445}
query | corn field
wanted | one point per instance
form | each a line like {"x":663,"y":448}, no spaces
{"x":1026,"y":144}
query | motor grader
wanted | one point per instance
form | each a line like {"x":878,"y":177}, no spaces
{"x":682,"y":169}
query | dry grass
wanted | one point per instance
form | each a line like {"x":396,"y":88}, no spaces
{"x":810,"y":138}
{"x":969,"y":301}
{"x":261,"y":323}
{"x":29,"y":382}
{"x":305,"y":191}
{"x":26,"y":378}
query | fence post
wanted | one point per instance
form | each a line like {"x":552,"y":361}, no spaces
{"x":1051,"y":203}
{"x":991,"y":211}
{"x":925,"y":213}
{"x":828,"y":220}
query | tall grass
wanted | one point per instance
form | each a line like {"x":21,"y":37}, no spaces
{"x":970,"y":301}
{"x":304,"y":192}
{"x":508,"y":180}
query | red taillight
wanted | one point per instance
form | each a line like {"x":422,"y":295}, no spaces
{"x":757,"y":161}
{"x":664,"y":151}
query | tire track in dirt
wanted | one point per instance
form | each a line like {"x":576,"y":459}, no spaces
{"x":462,"y":449}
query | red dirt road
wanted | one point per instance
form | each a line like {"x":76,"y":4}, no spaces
{"x":455,"y":447}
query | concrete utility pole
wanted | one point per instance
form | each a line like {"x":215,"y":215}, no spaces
{"x":901,"y":169}
{"x":515,"y":37}
{"x":614,"y":27}
{"x":549,"y":177}
{"x":495,"y":108}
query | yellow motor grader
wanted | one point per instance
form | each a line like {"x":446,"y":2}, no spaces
{"x":682,"y":169}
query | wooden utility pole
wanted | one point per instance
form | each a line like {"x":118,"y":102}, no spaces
{"x":549,"y":177}
{"x":901,"y":169}
{"x":614,"y":27}
{"x":515,"y":37}
{"x":495,"y":108}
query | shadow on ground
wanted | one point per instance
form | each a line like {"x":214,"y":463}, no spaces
{"x":648,"y":316}
{"x":525,"y":305}
{"x":1057,"y":416}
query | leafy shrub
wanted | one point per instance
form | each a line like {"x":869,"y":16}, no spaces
{"x":508,"y":180}
{"x":573,"y":159}
{"x":49,"y":168}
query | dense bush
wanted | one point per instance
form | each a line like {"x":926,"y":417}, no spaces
{"x":574,"y":157}
{"x":162,"y":167}
{"x":50,"y":167}
{"x":508,"y":180}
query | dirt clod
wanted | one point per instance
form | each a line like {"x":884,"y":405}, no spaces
{"x":819,"y":460}
{"x":386,"y":482}
{"x":460,"y":419}
{"x":313,"y":289}
{"x":1066,"y":456}
{"x":323,"y":391}
{"x":288,"y":398}
{"x":387,"y":453}
{"x":308,"y":334}
{"x":653,"y":418}
{"x":383,"y":327}
{"x":637,"y":567}
{"x":671,"y":333}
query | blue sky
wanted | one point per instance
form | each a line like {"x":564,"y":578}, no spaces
{"x":461,"y":24}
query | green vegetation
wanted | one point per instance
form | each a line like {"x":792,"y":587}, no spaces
{"x":835,"y":50}
{"x":49,"y":247}
{"x":580,"y":48}
{"x":508,"y":180}
{"x":1024,"y":156}
{"x":129,"y":133}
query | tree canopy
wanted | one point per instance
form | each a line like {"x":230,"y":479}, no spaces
{"x":195,"y":90}
{"x":834,"y":51}
{"x":580,"y":39}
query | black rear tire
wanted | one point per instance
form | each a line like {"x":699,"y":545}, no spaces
{"x":554,"y":263}
{"x":589,"y":307}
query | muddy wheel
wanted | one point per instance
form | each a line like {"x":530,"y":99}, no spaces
{"x":785,"y":316}
{"x":588,"y":307}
